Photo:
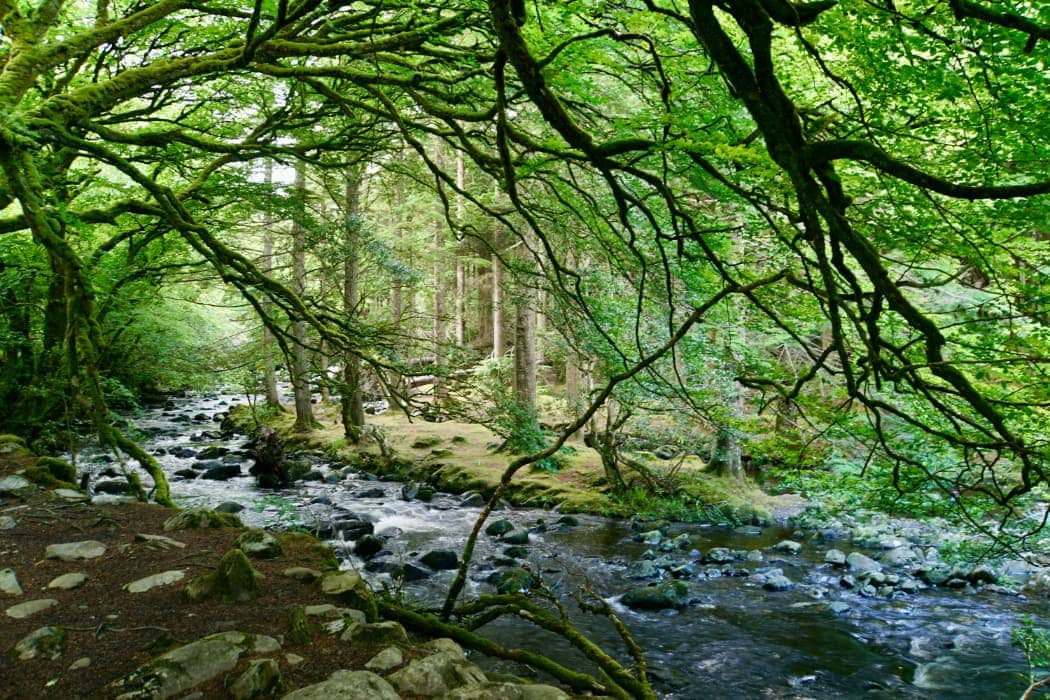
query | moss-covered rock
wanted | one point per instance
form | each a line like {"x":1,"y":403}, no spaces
{"x":322,"y":555}
{"x":199,"y":519}
{"x":300,"y":629}
{"x":259,"y":544}
{"x":261,"y":680}
{"x":350,"y":589}
{"x":234,"y":580}
{"x":669,"y":594}
{"x":52,"y":472}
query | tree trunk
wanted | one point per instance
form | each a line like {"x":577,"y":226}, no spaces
{"x":499,"y":347}
{"x":440,"y":322}
{"x":351,"y":401}
{"x":541,"y":323}
{"x":304,"y":414}
{"x":525,"y":352}
{"x":396,"y":298}
{"x":273,"y":399}
{"x":459,"y":320}
{"x":725,"y":458}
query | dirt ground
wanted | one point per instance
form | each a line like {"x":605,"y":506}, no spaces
{"x":116,"y":631}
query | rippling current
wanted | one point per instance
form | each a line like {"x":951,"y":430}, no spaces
{"x":735,"y":639}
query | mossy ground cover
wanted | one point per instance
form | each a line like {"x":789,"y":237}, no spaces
{"x":460,"y":457}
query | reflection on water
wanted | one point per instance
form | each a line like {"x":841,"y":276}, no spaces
{"x":735,"y":639}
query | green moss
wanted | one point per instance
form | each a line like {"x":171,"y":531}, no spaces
{"x":198,"y":519}
{"x":424,"y":443}
{"x":322,"y":555}
{"x":9,"y":439}
{"x":234,"y":580}
{"x":300,"y":631}
{"x":43,"y":473}
{"x":59,"y":468}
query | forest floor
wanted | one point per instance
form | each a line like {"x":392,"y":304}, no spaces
{"x":111,"y":631}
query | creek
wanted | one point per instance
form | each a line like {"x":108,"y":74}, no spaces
{"x":735,"y":638}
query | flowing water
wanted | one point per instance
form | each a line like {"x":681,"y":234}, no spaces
{"x":735,"y":639}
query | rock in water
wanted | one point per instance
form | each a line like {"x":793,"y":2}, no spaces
{"x":860,"y":564}
{"x":368,"y":546}
{"x":669,"y":594}
{"x":499,"y":527}
{"x":267,"y":448}
{"x":441,"y":559}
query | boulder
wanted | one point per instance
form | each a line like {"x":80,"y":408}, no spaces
{"x":262,"y":679}
{"x":347,"y":684}
{"x":165,"y":578}
{"x":12,"y":484}
{"x":223,"y":472}
{"x":516,"y":552}
{"x":234,"y":580}
{"x":898,"y":556}
{"x":861,"y":564}
{"x":267,"y":449}
{"x":520,"y":537}
{"x":75,"y":551}
{"x":506,"y":691}
{"x":117,"y":487}
{"x":259,"y":544}
{"x":719,"y":555}
{"x":652,"y":537}
{"x":29,"y":608}
{"x":778,"y":582}
{"x":350,"y":589}
{"x":669,"y":594}
{"x":9,"y":582}
{"x":499,"y":527}
{"x":190,"y":665}
{"x":436,"y":675}
{"x":441,"y":559}
{"x":213,"y":452}
{"x":67,"y":582}
{"x":835,"y":557}
{"x":397,"y":570}
{"x":642,"y":569}
{"x":367,"y":546}
{"x":788,"y":547}
{"x":45,"y":642}
{"x":353,"y":528}
{"x":229,"y":507}
{"x":198,"y":519}
{"x":159,"y":541}
{"x":376,"y":634}
{"x":511,"y":580}
{"x":386,"y":660}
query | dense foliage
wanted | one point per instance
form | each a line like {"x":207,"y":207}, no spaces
{"x":808,"y":234}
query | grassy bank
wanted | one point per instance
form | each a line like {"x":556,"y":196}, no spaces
{"x":462,"y":457}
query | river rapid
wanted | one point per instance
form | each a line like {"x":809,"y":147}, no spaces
{"x":734,"y":638}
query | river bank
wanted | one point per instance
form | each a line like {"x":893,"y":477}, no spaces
{"x":105,"y":599}
{"x":726,"y":594}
